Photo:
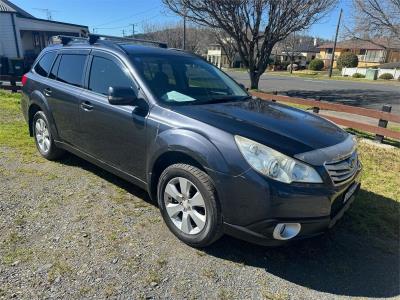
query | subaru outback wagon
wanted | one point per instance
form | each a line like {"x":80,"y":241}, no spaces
{"x":214,"y":158}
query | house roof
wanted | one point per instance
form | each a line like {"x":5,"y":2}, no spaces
{"x":377,"y":44}
{"x":8,"y":7}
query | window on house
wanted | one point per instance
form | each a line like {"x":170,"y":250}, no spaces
{"x":45,"y":63}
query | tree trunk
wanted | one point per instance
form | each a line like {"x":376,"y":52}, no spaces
{"x":291,"y":64}
{"x":254,"y":79}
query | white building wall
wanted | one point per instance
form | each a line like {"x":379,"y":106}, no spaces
{"x":42,"y":25}
{"x":7,"y":41}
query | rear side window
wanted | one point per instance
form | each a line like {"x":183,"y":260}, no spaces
{"x":54,"y":69}
{"x":43,"y":66}
{"x":105,"y":73}
{"x":71,"y":69}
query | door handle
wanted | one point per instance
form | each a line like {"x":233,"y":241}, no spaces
{"x":87,"y":106}
{"x":47,"y":92}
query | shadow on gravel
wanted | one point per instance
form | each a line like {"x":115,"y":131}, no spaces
{"x":358,"y":257}
{"x":353,"y":259}
{"x":356,"y":97}
{"x":75,"y":161}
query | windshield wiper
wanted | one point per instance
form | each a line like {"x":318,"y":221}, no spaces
{"x":223,"y":99}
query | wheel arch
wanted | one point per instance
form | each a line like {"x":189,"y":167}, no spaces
{"x":39,"y":103}
{"x":182,"y":146}
{"x":165,"y":160}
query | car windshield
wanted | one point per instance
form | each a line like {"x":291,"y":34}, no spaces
{"x":177,"y":80}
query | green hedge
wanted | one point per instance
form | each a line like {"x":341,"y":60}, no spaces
{"x":348,"y":60}
{"x":316,"y":65}
{"x":386,"y":76}
{"x":358,"y":75}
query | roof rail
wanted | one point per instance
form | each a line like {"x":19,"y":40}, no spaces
{"x":98,"y":38}
{"x":93,"y":38}
{"x":66,"y":39}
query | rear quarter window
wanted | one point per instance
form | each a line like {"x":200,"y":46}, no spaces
{"x":71,"y":69}
{"x":43,"y":66}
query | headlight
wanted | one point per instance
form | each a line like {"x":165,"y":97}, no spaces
{"x":274,"y":164}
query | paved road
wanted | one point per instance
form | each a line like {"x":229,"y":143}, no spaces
{"x":368,"y":95}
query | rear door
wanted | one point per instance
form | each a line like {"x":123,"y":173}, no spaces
{"x":113,"y":134}
{"x":65,"y":85}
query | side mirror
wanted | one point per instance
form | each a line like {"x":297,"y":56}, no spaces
{"x":121,"y":96}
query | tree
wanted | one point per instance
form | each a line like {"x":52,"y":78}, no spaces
{"x":376,"y":19}
{"x":348,"y":60}
{"x":228,"y":45}
{"x":197,"y":38}
{"x":255,"y":25}
{"x":294,"y":44}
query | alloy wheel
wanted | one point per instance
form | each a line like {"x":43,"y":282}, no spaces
{"x":42,"y":135}
{"x":185,"y":205}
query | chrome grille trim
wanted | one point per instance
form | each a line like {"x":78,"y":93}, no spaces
{"x":343,"y":170}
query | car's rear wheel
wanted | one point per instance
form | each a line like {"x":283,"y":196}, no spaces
{"x":188,"y":204}
{"x":43,"y":138}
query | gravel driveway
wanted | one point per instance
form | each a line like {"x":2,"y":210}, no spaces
{"x":71,"y":230}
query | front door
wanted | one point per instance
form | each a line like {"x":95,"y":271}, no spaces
{"x":113,"y":134}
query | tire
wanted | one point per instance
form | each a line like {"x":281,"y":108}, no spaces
{"x":194,"y":222}
{"x":43,"y":137}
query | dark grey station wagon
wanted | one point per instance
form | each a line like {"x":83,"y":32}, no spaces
{"x":214,"y":158}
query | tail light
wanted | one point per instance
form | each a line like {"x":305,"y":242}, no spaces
{"x":24,"y":79}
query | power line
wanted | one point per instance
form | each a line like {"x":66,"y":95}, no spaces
{"x":128,"y":17}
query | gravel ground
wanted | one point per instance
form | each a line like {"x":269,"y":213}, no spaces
{"x":71,"y":230}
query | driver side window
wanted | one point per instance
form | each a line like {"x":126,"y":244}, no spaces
{"x":105,"y":73}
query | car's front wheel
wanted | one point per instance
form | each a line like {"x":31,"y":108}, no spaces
{"x":43,"y":138}
{"x":188,"y":204}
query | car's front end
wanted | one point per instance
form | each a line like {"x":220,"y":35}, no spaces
{"x":272,"y":209}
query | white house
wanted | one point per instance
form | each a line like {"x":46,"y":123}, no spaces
{"x":24,"y":36}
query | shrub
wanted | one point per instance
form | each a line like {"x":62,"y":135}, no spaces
{"x":348,"y":60}
{"x":386,"y":76}
{"x":358,"y":75}
{"x":316,"y":65}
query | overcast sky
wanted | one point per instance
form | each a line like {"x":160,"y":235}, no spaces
{"x":113,"y":16}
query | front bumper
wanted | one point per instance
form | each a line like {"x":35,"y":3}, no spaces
{"x":253,"y":206}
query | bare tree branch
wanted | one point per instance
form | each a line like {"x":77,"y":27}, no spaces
{"x":255,"y":25}
{"x":376,"y":19}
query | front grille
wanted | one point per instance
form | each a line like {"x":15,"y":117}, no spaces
{"x":343,"y":170}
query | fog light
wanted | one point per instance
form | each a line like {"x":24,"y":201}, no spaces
{"x":286,"y":231}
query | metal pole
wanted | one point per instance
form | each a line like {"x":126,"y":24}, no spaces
{"x":133,"y":30}
{"x":334,"y":45}
{"x":184,"y":31}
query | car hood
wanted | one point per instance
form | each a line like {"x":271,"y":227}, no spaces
{"x":286,"y":129}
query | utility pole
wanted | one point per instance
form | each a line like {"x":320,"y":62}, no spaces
{"x":334,"y":45}
{"x":123,"y":32}
{"x":133,"y":30}
{"x":184,"y":30}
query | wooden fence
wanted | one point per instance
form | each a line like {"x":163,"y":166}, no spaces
{"x":383,"y":116}
{"x":13,"y":86}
